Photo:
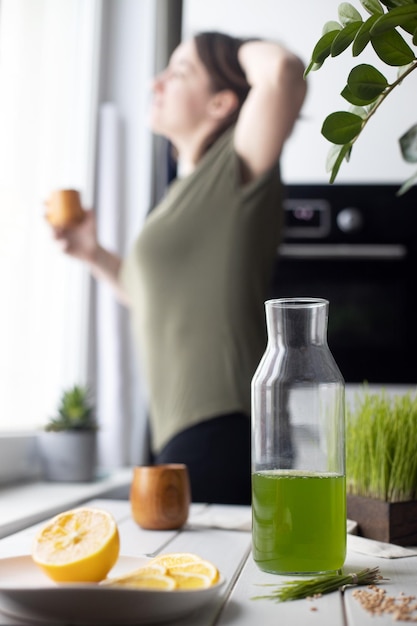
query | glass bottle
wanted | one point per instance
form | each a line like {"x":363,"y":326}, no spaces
{"x":298,"y":444}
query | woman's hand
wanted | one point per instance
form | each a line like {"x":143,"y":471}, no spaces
{"x":80,"y":240}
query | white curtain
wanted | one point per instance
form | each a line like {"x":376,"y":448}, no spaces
{"x":140,"y":38}
{"x":121,"y":402}
{"x":48,"y":102}
{"x":122,"y":201}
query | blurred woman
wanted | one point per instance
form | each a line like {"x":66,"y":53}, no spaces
{"x":197,"y":276}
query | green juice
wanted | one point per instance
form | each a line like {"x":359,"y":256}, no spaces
{"x":299,"y":521}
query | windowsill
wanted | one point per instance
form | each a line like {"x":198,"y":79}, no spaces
{"x":25,"y":504}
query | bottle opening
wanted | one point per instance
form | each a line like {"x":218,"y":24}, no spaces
{"x":298,"y":302}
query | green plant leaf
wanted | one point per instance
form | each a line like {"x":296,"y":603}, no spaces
{"x":332,"y":156}
{"x":404,"y":16}
{"x":312,"y":67}
{"x":408,"y":145}
{"x":348,"y":95}
{"x":404,"y":69}
{"x":363,"y":36}
{"x":410,"y":182}
{"x":344,"y":38}
{"x":343,"y":154}
{"x":391,"y":4}
{"x":348,"y":14}
{"x":335,"y":157}
{"x":329,"y":26}
{"x":366,"y":83}
{"x":373,"y":7}
{"x":341,"y":127}
{"x":392,"y":48}
{"x":323,"y":47}
{"x":362,"y":110}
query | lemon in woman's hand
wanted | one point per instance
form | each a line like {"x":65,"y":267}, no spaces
{"x":80,"y":545}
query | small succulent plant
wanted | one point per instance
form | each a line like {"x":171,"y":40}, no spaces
{"x":75,"y":411}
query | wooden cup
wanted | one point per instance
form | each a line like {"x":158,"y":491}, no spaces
{"x":63,"y":208}
{"x":160,"y":496}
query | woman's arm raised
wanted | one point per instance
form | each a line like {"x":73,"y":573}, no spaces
{"x":272,"y":106}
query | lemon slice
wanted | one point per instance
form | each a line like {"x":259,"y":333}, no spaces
{"x":175,"y":558}
{"x":187,"y":580}
{"x":148,"y":581}
{"x":142,"y":572}
{"x":177,"y":570}
{"x":79,"y":545}
{"x":206,"y":568}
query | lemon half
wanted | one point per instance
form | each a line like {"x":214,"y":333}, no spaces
{"x":79,"y":545}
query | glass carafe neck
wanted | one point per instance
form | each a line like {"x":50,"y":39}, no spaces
{"x":296,"y":322}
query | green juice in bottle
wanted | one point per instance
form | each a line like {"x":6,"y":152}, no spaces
{"x":299,"y":521}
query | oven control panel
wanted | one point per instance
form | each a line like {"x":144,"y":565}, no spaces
{"x":351,"y":214}
{"x":307,"y":218}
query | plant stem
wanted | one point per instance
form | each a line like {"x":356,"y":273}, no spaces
{"x":384,"y":94}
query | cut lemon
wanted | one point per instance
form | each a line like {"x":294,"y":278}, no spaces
{"x":148,"y":581}
{"x":141,"y":572}
{"x":175,"y":558}
{"x":185,"y":580}
{"x":80,"y":545}
{"x":177,"y":570}
{"x":197,"y":567}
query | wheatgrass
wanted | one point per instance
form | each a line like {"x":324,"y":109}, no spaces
{"x":381,"y":437}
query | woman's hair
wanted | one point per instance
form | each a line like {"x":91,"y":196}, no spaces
{"x":219,"y":54}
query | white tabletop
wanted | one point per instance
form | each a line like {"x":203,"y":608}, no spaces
{"x":230,"y":550}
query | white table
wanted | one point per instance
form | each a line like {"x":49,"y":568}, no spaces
{"x":230,"y":550}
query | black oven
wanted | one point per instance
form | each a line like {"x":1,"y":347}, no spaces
{"x":356,"y":245}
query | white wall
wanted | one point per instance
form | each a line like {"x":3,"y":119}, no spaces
{"x":376,"y":156}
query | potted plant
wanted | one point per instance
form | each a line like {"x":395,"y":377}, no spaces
{"x":391,"y":30}
{"x":67,"y":444}
{"x":381,"y":466}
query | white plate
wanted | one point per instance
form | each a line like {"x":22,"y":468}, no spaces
{"x":27,"y":594}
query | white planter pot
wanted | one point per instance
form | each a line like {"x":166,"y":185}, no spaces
{"x":68,"y":456}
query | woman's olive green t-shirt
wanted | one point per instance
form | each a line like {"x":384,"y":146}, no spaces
{"x":197,"y":277}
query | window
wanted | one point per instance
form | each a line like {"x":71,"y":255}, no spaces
{"x":48,"y":103}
